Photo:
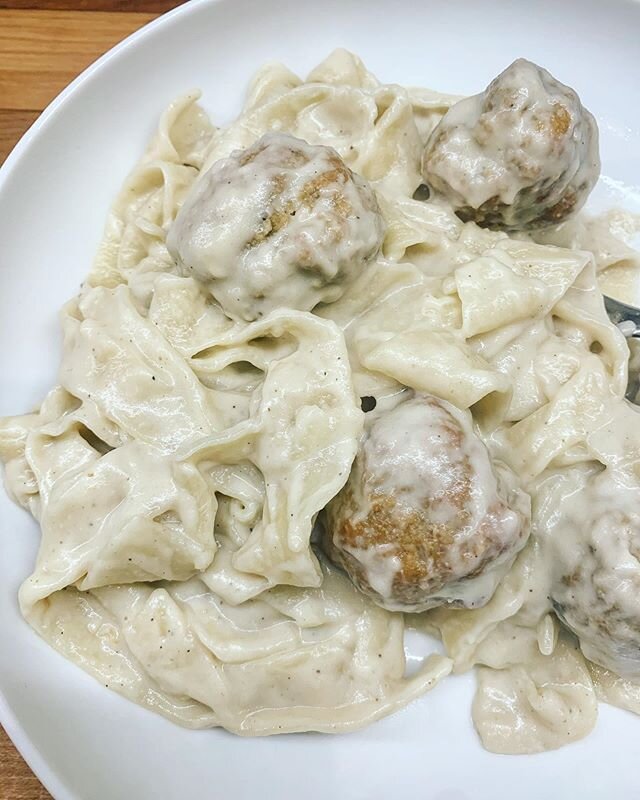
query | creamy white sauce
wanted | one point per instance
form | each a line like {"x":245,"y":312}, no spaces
{"x":194,"y":447}
{"x":612,"y":238}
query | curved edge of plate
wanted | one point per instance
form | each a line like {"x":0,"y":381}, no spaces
{"x":54,"y":784}
{"x":57,"y":104}
{"x":31,"y":754}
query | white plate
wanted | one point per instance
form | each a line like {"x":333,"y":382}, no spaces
{"x":86,"y":742}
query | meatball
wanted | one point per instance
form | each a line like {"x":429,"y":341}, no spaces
{"x":425,"y":518}
{"x":523,"y":154}
{"x":283,"y":224}
{"x":596,"y":559}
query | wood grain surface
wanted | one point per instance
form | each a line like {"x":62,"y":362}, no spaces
{"x":44,"y":44}
{"x":17,"y":782}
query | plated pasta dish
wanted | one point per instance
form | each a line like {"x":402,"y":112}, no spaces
{"x":342,"y":369}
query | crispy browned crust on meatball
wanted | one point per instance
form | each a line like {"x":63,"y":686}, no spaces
{"x":429,"y":553}
{"x":424,"y":550}
{"x":283,"y":211}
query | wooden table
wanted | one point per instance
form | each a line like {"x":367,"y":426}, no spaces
{"x":44,"y":44}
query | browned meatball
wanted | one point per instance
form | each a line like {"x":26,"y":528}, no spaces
{"x":426,"y":518}
{"x":522,"y":154}
{"x":282,"y":224}
{"x":594,"y":546}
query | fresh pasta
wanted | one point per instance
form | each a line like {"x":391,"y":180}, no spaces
{"x":178,"y":468}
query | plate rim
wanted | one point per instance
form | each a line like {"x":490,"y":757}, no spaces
{"x":54,"y":106}
{"x":44,"y":769}
{"x":28,"y":750}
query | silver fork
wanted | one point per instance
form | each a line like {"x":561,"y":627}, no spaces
{"x":627,"y":318}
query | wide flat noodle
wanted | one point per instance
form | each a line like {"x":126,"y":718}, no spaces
{"x":542,"y":704}
{"x":148,"y":202}
{"x":610,"y":237}
{"x":302,"y":439}
{"x":321,"y":659}
{"x":611,"y":688}
{"x":178,"y":468}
